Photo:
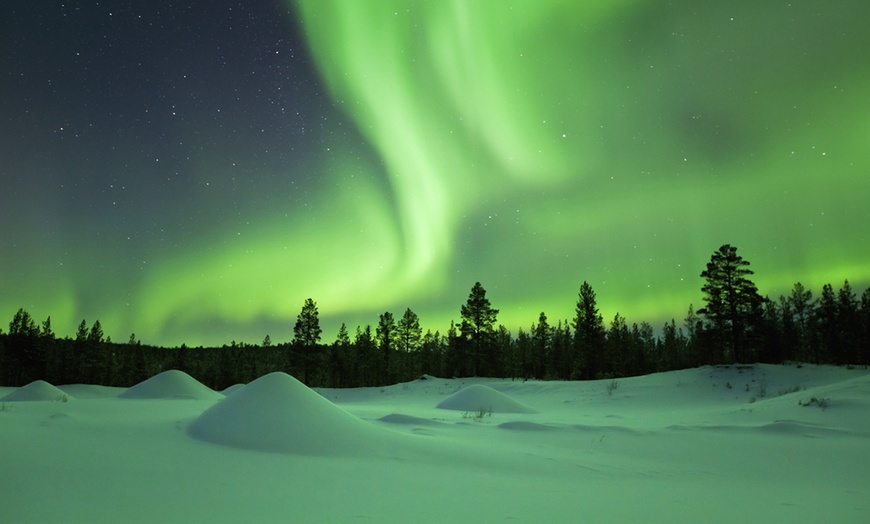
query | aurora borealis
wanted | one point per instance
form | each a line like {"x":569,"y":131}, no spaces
{"x":194,"y":173}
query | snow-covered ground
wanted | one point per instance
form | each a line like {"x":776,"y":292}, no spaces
{"x":727,"y":444}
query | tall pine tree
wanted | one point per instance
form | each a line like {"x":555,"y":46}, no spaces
{"x":478,"y":321}
{"x":588,"y":335}
{"x":733,"y":303}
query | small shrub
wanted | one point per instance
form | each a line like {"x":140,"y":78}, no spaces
{"x":815,"y":401}
{"x":761,"y":391}
{"x":611,"y":387}
{"x":786,"y":391}
{"x":6,"y":407}
{"x":728,"y":385}
{"x":478,"y":415}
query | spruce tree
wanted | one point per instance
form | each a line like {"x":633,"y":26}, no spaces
{"x":385,"y":333}
{"x":307,"y":330}
{"x":733,"y":303}
{"x":589,"y":335}
{"x":477,"y":327}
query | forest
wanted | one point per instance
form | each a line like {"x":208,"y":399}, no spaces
{"x":735,"y":325}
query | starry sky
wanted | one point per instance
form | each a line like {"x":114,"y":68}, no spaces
{"x":192,"y":172}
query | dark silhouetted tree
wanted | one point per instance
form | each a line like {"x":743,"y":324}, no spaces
{"x":478,"y":323}
{"x":616,"y":348}
{"x":95,"y":335}
{"x":733,"y":303}
{"x":849,"y":324}
{"x":408,"y":332}
{"x":82,"y":332}
{"x":385,"y":334}
{"x":864,"y":343}
{"x":802,"y":310}
{"x":541,"y":336}
{"x":827,"y":347}
{"x":25,"y":355}
{"x":589,"y":335}
{"x":306,"y":332}
{"x":46,"y":328}
{"x":306,"y":335}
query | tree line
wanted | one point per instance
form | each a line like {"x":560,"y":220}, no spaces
{"x":735,"y":324}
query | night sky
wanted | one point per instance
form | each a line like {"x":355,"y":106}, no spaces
{"x":192,"y":172}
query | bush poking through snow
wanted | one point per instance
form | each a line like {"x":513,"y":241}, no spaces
{"x":611,"y":387}
{"x":6,"y":407}
{"x":815,"y":401}
{"x":786,"y":391}
{"x":478,"y":415}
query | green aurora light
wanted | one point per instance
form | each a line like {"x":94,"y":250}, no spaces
{"x":531,"y":146}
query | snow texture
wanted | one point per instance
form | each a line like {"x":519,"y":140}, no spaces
{"x":171,"y":384}
{"x":37,"y":390}
{"x":280,"y":414}
{"x":479,"y":398}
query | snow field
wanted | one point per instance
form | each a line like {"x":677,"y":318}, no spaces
{"x":750,"y":443}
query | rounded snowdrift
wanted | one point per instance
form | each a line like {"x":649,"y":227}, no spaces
{"x":232,"y":389}
{"x":278,"y":413}
{"x":478,"y":397}
{"x":172,"y":384}
{"x":37,"y":390}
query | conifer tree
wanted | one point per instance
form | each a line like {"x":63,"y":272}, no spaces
{"x":82,"y":332}
{"x":408,"y":332}
{"x":802,"y":309}
{"x":306,"y":335}
{"x":46,"y":328}
{"x":733,"y":302}
{"x":589,"y":335}
{"x":478,"y":322}
{"x":385,"y":334}
{"x":307,"y":330}
{"x":541,"y":337}
{"x":95,"y":335}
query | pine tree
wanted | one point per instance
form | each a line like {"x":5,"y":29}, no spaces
{"x":541,"y":337}
{"x":733,"y":302}
{"x":803,"y":311}
{"x":23,"y":324}
{"x":307,"y":330}
{"x":95,"y":335}
{"x":408,"y":332}
{"x":617,"y":348}
{"x":864,"y":343}
{"x":848,"y":322}
{"x":306,"y":335}
{"x":82,"y":332}
{"x":589,"y":335}
{"x":827,"y":328}
{"x":385,"y":333}
{"x":478,"y":322}
{"x":46,"y":328}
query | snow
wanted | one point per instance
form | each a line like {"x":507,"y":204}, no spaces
{"x":171,"y":384}
{"x":483,"y":399}
{"x":35,"y":391}
{"x":280,"y":414}
{"x":753,"y":443}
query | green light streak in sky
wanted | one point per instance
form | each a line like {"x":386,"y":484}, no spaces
{"x":532,"y":145}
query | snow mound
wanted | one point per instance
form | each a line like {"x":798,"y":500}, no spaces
{"x":171,"y":384}
{"x":398,"y":418}
{"x":278,"y":413}
{"x":479,"y":397}
{"x":232,"y":389}
{"x":36,"y":390}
